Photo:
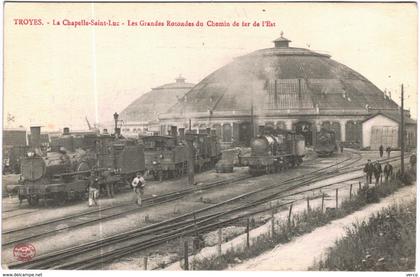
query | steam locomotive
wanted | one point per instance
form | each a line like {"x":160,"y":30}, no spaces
{"x":326,"y":143}
{"x":167,"y":156}
{"x":274,"y":150}
{"x":62,"y":173}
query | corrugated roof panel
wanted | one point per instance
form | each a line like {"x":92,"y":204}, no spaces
{"x":324,"y":82}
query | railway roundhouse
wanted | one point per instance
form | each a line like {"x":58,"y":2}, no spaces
{"x":292,"y":88}
{"x":141,"y":116}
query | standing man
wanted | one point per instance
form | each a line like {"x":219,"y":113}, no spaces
{"x":377,"y":172}
{"x":388,"y":151}
{"x":387,"y":171}
{"x":106,"y":175}
{"x":341,"y":147}
{"x":93,"y":188}
{"x":413,"y":161}
{"x":369,"y":171}
{"x":381,"y":151}
{"x":138,"y":187}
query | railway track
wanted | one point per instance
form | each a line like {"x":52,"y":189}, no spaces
{"x":154,"y":235}
{"x":17,"y":235}
{"x":141,"y":238}
{"x":5,"y":217}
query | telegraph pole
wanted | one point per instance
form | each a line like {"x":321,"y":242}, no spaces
{"x":252,"y":120}
{"x":190,"y":158}
{"x":402,"y":130}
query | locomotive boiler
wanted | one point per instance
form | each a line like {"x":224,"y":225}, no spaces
{"x":273,"y":151}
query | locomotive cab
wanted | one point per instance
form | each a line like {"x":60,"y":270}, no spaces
{"x":164,"y":156}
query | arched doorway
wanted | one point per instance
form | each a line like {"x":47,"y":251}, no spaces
{"x":218,"y":129}
{"x":337,"y":130}
{"x":332,"y":126}
{"x":354,"y":132}
{"x":304,"y":128}
{"x":244,"y":133}
{"x":227,"y":132}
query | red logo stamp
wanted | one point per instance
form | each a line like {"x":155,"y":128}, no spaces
{"x":24,"y":252}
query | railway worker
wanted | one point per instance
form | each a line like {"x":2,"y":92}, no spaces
{"x":369,"y":171}
{"x":138,"y":187}
{"x":388,"y":151}
{"x":381,"y":151}
{"x":17,"y":166}
{"x":6,"y":166}
{"x":93,"y":188}
{"x":387,"y":171}
{"x":239,"y":157}
{"x":106,"y":175}
{"x":377,"y":172}
{"x":413,"y":161}
{"x":341,"y":147}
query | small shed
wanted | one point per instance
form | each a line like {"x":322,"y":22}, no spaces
{"x":384,"y":129}
{"x":14,"y":137}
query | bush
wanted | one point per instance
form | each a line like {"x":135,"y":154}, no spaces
{"x":387,"y":242}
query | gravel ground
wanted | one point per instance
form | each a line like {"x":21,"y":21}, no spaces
{"x":315,"y":244}
{"x":135,"y":220}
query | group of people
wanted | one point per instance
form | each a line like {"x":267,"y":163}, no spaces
{"x":375,"y":169}
{"x":138,"y":184}
{"x":381,"y":151}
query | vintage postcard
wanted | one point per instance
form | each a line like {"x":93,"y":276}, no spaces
{"x":209,"y":136}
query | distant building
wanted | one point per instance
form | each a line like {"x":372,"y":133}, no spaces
{"x":286,"y":87}
{"x":14,"y":137}
{"x":384,"y":129}
{"x":141,"y":116}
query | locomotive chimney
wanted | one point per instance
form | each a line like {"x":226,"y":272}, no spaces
{"x":117,"y":132}
{"x":181,"y":133}
{"x":35,"y":141}
{"x":66,"y":131}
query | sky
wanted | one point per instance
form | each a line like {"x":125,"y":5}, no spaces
{"x":56,"y":75}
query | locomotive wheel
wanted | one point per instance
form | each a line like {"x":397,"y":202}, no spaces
{"x":33,"y":201}
{"x":254,"y":172}
{"x":60,"y":198}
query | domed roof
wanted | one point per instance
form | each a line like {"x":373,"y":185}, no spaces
{"x":147,"y":107}
{"x":283,"y":78}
